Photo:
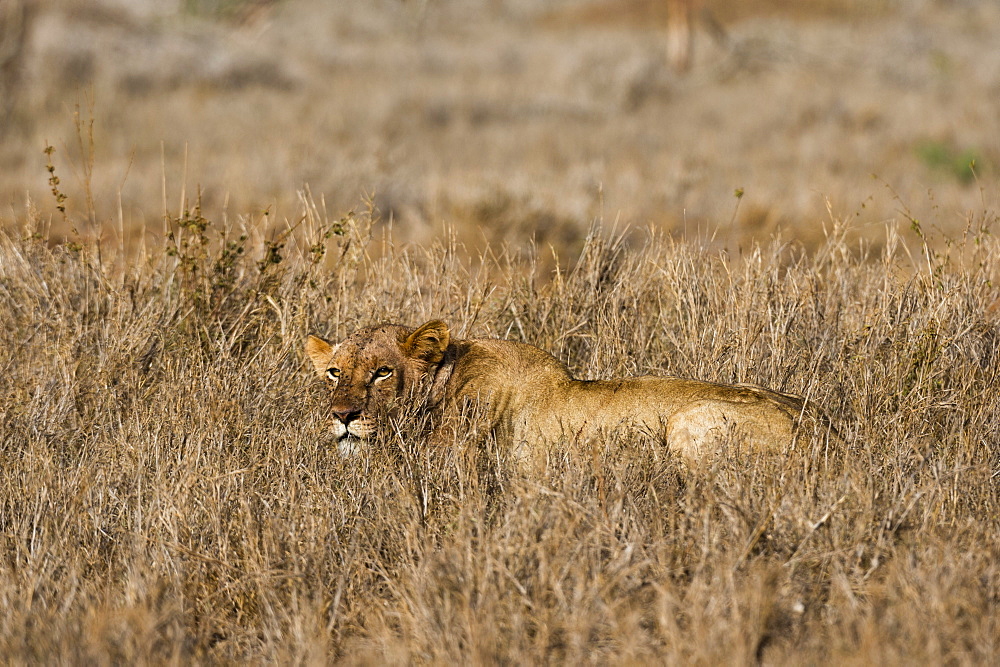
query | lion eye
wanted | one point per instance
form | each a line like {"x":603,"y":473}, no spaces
{"x":333,"y":373}
{"x":382,"y":372}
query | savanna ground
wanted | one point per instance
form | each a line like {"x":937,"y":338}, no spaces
{"x":507,"y":120}
{"x":167,"y":492}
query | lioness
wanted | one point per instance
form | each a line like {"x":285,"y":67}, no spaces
{"x":530,"y":397}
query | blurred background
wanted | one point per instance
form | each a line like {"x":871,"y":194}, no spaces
{"x":502,"y":121}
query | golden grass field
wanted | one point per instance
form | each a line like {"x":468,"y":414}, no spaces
{"x":167,"y":490}
{"x":503,"y":121}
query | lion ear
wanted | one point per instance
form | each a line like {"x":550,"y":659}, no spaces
{"x":319,"y":351}
{"x":429,"y":342}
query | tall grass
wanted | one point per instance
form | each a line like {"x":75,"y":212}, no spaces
{"x":167,"y":491}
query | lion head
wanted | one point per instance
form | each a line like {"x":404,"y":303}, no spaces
{"x":374,"y":373}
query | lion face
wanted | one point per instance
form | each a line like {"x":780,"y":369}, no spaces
{"x":374,"y":373}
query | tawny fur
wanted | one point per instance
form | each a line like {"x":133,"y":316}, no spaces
{"x":530,"y":398}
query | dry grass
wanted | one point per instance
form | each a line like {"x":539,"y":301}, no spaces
{"x":166,"y":491}
{"x":507,"y":119}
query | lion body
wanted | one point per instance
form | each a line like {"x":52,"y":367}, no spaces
{"x":531,"y":399}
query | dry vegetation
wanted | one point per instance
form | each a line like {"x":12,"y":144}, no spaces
{"x":166,"y":490}
{"x":508,"y":119}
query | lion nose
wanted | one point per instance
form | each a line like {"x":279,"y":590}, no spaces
{"x":346,"y":415}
